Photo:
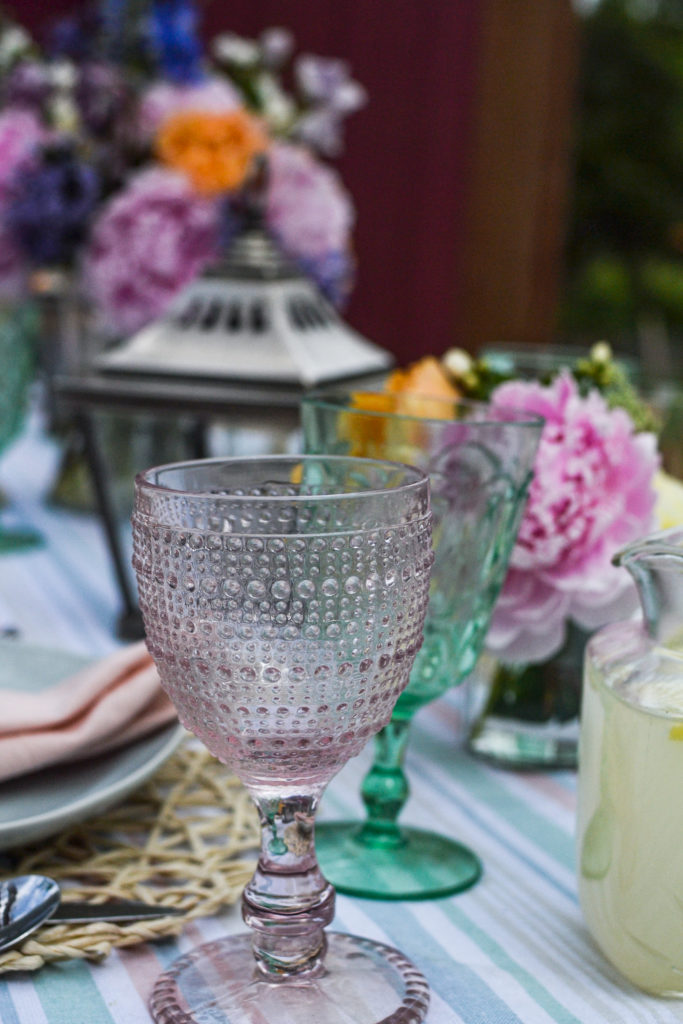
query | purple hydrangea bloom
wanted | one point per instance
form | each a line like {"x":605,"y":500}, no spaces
{"x":333,"y":272}
{"x":76,"y":35}
{"x":307,"y":207}
{"x":20,"y":135}
{"x":28,"y":85}
{"x":101,"y":94}
{"x":153,"y":238}
{"x":50,"y":205}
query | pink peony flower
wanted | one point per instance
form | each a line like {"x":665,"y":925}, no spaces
{"x":214,"y":96}
{"x":307,"y":206}
{"x":149,"y":241}
{"x":592,"y":493}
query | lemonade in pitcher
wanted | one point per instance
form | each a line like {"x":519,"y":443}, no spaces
{"x":630,"y":815}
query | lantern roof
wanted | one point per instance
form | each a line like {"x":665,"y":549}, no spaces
{"x":252,"y":316}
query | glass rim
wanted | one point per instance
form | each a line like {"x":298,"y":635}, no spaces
{"x":420,"y":478}
{"x":668,"y":541}
{"x":624,"y":697}
{"x":518,"y":417}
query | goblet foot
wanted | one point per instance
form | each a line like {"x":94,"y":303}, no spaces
{"x":425,"y":866}
{"x":12,"y":541}
{"x":362,"y":982}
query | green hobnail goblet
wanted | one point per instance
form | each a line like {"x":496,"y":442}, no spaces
{"x":479,"y":460}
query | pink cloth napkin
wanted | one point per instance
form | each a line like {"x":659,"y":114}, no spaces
{"x":105,"y":705}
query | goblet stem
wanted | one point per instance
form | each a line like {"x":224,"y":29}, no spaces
{"x":385,"y":788}
{"x":288,"y":903}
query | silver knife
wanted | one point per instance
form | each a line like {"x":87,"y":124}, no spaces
{"x":81,"y":912}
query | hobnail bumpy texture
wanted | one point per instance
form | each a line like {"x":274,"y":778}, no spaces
{"x":282,"y":651}
{"x":184,"y":994}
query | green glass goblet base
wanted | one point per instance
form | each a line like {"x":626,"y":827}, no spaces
{"x":362,"y":982}
{"x":419,"y":866}
{"x":12,"y":540}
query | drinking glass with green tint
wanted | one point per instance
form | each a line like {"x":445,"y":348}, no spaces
{"x":479,"y":460}
{"x":17,"y":340}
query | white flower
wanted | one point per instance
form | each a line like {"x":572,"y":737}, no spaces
{"x":14,"y":42}
{"x":601,"y":352}
{"x":276,"y":46}
{"x":233,"y":49}
{"x":348,"y":97}
{"x":64,"y":113}
{"x":63,"y":75}
{"x":278,"y":109}
{"x":457,"y":362}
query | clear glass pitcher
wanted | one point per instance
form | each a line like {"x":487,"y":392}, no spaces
{"x":630,"y":814}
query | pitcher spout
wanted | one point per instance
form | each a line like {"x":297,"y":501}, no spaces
{"x":656,"y":565}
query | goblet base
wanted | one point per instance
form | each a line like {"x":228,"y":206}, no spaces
{"x":426,"y":865}
{"x":362,"y":982}
{"x":12,"y":541}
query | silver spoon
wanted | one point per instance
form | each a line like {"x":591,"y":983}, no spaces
{"x":29,"y":900}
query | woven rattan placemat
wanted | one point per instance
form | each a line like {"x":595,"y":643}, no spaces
{"x":179,"y":841}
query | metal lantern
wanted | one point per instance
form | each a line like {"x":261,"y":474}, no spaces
{"x":253,"y":317}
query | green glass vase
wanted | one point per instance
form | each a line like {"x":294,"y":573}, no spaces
{"x":527,"y":715}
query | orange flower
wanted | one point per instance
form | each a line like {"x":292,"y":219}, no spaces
{"x":213,"y":150}
{"x":367,"y":433}
{"x":426,"y":378}
{"x":421,"y":390}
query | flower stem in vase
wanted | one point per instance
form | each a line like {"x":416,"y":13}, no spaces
{"x":531,"y":714}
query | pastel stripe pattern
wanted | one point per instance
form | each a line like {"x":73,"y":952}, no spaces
{"x":513,"y":950}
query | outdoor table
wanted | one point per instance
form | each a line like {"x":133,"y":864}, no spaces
{"x":512,"y":950}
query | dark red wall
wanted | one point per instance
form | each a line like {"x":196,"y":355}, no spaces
{"x":408,"y":151}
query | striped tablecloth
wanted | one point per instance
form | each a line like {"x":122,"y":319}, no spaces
{"x":513,"y":949}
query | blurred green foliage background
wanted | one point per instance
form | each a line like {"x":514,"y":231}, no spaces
{"x":625,"y":237}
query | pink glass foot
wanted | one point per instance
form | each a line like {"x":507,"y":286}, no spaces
{"x":362,"y":982}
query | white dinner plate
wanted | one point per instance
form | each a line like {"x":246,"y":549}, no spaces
{"x":38,"y":805}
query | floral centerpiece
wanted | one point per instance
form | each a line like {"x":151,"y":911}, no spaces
{"x":597,"y":486}
{"x":124,"y":147}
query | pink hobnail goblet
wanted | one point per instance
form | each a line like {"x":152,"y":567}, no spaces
{"x":284,"y":600}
